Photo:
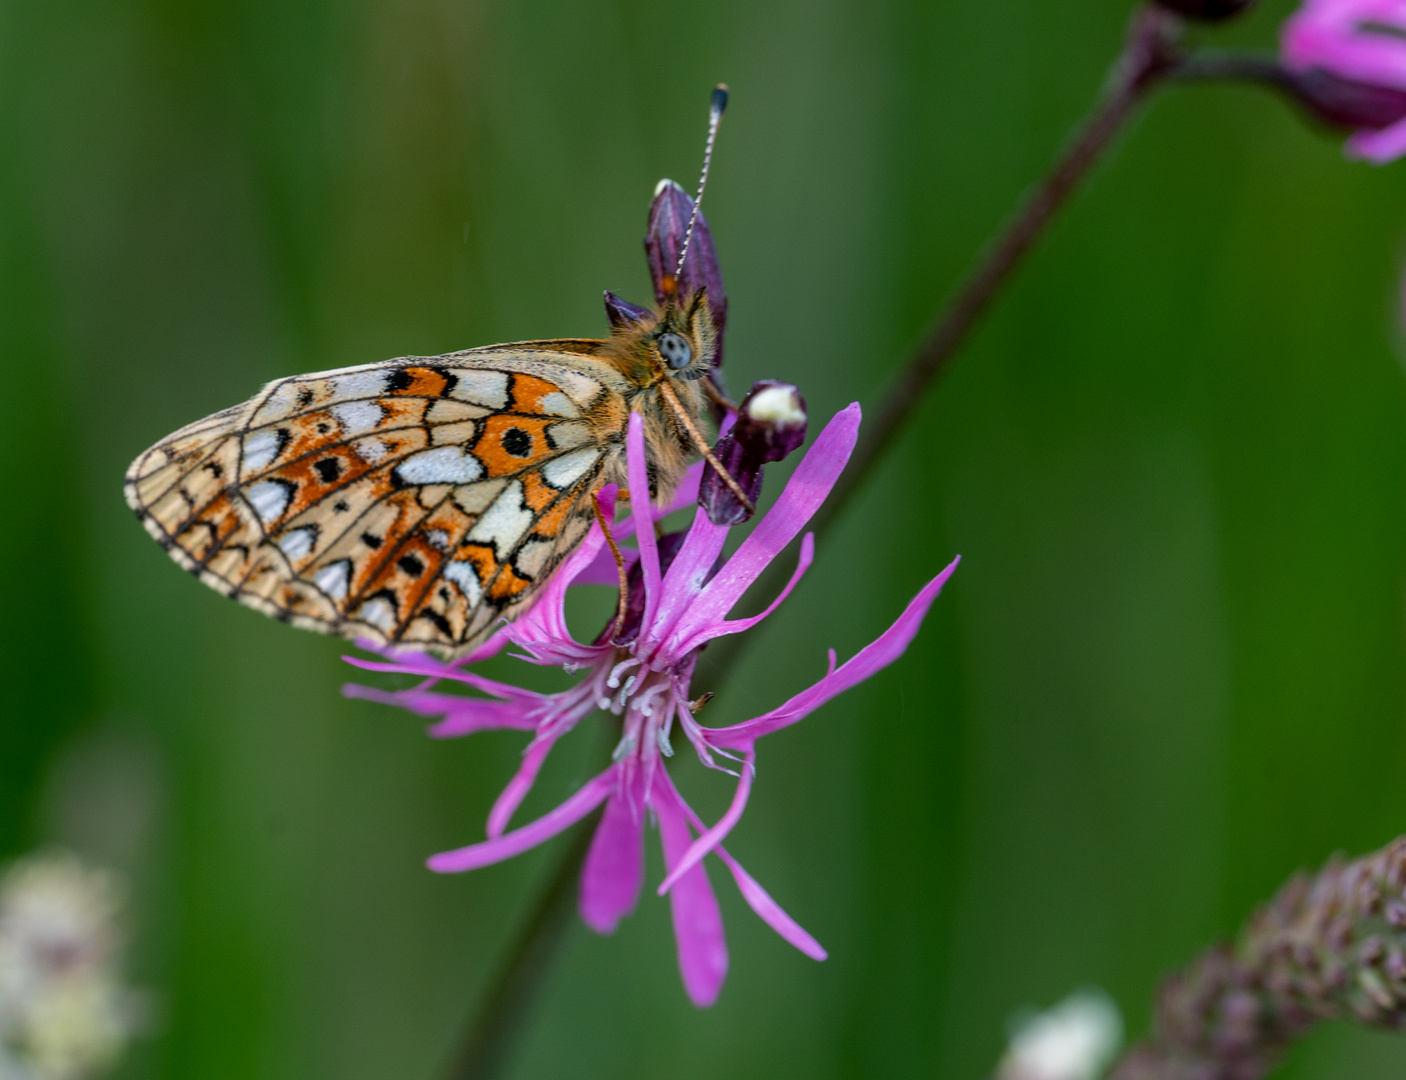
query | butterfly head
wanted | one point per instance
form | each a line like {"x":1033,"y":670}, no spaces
{"x":678,"y":341}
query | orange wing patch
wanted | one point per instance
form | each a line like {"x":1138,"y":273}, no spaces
{"x":415,"y":502}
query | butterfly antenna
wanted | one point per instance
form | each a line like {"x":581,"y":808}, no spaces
{"x":715,"y":116}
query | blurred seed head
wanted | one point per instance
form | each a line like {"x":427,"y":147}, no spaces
{"x":64,"y":1014}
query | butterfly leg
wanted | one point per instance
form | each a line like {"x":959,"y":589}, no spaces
{"x":623,"y":604}
{"x":667,"y":393}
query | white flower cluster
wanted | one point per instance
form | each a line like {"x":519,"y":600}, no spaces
{"x":1075,"y":1040}
{"x":63,"y":1013}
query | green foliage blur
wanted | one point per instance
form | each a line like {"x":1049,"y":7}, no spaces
{"x":1170,"y":670}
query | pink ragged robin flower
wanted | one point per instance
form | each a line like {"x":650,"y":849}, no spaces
{"x":1346,"y":60}
{"x":641,"y":673}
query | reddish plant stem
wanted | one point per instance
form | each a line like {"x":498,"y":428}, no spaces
{"x":1149,"y":57}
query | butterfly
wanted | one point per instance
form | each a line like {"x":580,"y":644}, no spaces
{"x":423,"y":500}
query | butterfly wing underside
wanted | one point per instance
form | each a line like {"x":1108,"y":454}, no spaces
{"x":415,"y":502}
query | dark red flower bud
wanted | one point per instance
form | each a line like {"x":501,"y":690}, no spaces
{"x":1344,"y":103}
{"x":1207,"y":10}
{"x":669,"y":215}
{"x":771,"y":422}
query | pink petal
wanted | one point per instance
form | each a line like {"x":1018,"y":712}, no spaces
{"x":737,"y":626}
{"x":1379,"y":147}
{"x":715,"y":836}
{"x":614,"y":869}
{"x":875,"y":656}
{"x":761,"y":902}
{"x":517,"y":788}
{"x":687,"y":573}
{"x":694,"y":561}
{"x":529,"y":836}
{"x":462,"y":715}
{"x":698,"y":924}
{"x":803,"y":495}
{"x":640,"y":510}
{"x":603,"y":570}
{"x":420,"y":667}
{"x":770,"y":911}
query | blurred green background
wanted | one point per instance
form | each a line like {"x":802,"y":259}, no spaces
{"x":1169,"y":671}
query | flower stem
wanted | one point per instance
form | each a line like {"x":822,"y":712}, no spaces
{"x":1148,"y":57}
{"x":495,"y":1027}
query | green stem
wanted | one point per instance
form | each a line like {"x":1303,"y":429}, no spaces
{"x":494,"y":1030}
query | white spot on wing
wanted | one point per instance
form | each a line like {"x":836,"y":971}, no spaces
{"x":279,"y":404}
{"x":444,"y":465}
{"x":489,"y":388}
{"x":269,"y":499}
{"x":438,"y":538}
{"x":358,"y":417}
{"x":505,"y":522}
{"x":370,"y":450}
{"x":464,"y":575}
{"x":379,"y":612}
{"x":334,"y":579}
{"x":564,"y":471}
{"x":298,"y":543}
{"x":565,"y":436}
{"x":359,"y":384}
{"x":557,"y":404}
{"x":260,"y":448}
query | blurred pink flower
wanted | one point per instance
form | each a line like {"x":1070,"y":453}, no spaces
{"x":642,"y":675}
{"x":1349,"y":62}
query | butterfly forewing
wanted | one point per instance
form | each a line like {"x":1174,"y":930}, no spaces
{"x":417,"y":501}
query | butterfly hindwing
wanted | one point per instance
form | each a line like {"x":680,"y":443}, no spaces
{"x":415,"y":501}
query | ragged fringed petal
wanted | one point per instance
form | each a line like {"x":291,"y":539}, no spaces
{"x":698,"y":923}
{"x":614,"y":869}
{"x":510,"y":798}
{"x":760,"y":901}
{"x":805,"y":491}
{"x":529,"y":836}
{"x":459,"y":715}
{"x":737,"y":626}
{"x":711,"y":838}
{"x":881,"y":652}
{"x":431,"y":668}
{"x":638,"y":474}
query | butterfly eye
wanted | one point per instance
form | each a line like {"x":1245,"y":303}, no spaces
{"x":675,"y":350}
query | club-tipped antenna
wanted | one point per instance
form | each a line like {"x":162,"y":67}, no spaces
{"x":715,"y":116}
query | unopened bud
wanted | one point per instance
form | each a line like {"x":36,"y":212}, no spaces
{"x":1207,"y":10}
{"x":771,"y":422}
{"x":1345,"y":103}
{"x":669,"y":215}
